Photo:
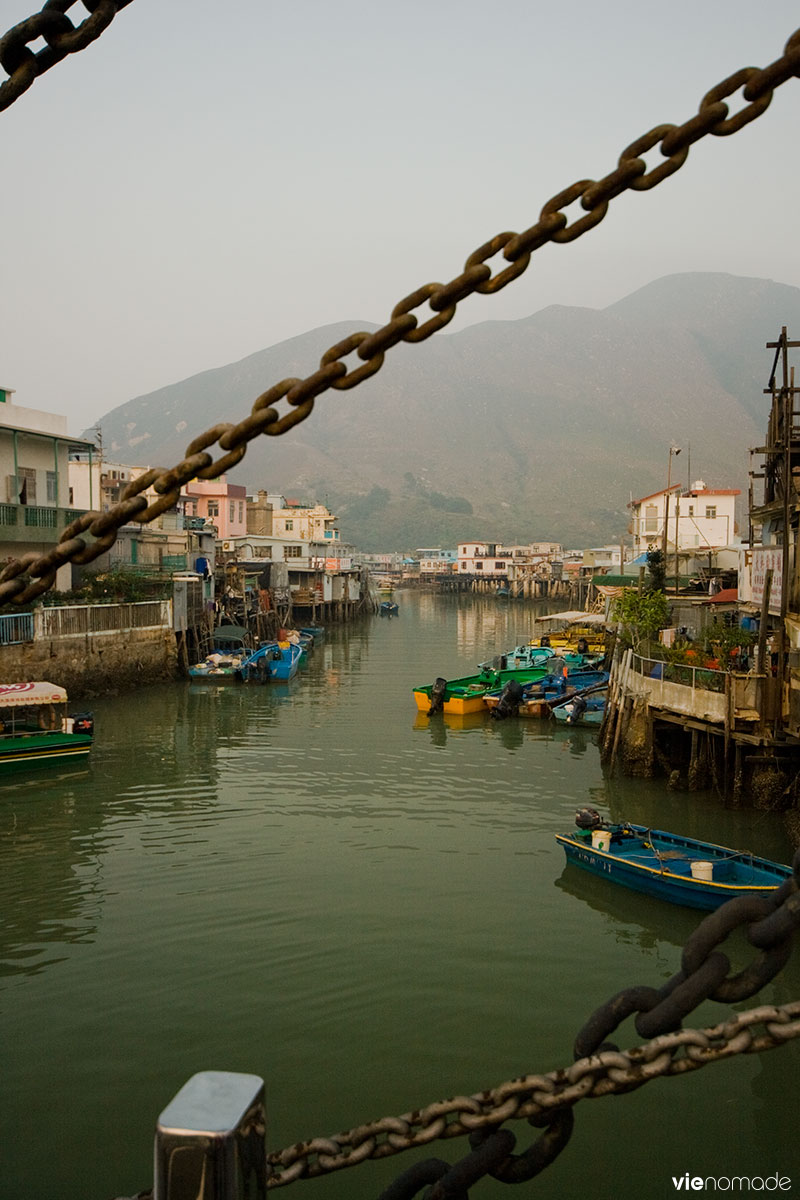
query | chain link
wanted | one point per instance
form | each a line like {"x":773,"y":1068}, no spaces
{"x":756,"y":85}
{"x":53,"y":26}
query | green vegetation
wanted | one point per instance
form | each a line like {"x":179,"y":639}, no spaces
{"x":111,"y":587}
{"x":641,"y":615}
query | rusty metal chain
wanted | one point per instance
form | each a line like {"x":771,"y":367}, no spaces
{"x":601,"y":1068}
{"x":539,"y":1098}
{"x":24,"y":579}
{"x":61,"y":38}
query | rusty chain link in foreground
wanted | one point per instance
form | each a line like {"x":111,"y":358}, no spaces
{"x":23,"y":579}
{"x":600,"y":1068}
{"x":61,"y":37}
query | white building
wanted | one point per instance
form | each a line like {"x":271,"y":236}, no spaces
{"x":35,"y":504}
{"x":697,"y":519}
{"x":492,"y":559}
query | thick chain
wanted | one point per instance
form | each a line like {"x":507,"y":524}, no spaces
{"x":540,"y":1099}
{"x":54,"y":27}
{"x":24,"y":579}
{"x":535,"y":1098}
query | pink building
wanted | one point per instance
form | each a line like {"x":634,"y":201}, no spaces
{"x":221,"y":503}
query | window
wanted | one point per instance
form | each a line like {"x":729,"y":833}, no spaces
{"x":711,"y":512}
{"x":289,"y":525}
{"x":292,"y":551}
{"x":231,"y":512}
{"x":26,"y":479}
{"x":650,"y":519}
{"x":241,"y":510}
{"x":691,"y":510}
{"x":463,"y":566}
{"x":52,"y":487}
{"x":213,"y":508}
{"x":328,"y":533}
{"x":498,"y":566}
{"x":478,"y":566}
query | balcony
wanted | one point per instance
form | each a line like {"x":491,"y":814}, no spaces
{"x":34,"y":523}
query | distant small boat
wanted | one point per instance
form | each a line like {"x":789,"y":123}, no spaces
{"x":388,"y":608}
{"x":679,"y":869}
{"x":317,"y":632}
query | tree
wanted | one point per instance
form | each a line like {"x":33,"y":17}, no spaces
{"x":657,"y":570}
{"x":641,"y":614}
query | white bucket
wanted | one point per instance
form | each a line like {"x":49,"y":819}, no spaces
{"x":601,"y":839}
{"x":703,"y":870}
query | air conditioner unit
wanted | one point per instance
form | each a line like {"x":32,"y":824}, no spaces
{"x":228,"y":546}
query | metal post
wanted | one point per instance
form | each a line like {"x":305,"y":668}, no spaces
{"x":210,"y":1140}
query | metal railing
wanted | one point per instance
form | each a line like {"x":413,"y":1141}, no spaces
{"x":16,"y":628}
{"x":80,"y":620}
{"x":707,"y":679}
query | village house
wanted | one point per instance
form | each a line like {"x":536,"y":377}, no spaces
{"x":684,"y":520}
{"x":34,"y":463}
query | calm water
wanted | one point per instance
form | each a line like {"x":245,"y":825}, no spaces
{"x":314,"y":884}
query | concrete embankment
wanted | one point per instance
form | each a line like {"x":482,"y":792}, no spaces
{"x":94,"y":664}
{"x":91,"y":650}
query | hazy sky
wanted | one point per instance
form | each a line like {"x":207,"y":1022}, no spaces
{"x":208,"y":179}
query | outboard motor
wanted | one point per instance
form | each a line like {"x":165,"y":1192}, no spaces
{"x":588,"y":818}
{"x":508,"y":704}
{"x":437,"y":696}
{"x":83,"y":723}
{"x":579,"y":707}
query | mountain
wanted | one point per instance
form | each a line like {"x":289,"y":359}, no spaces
{"x":513,"y":431}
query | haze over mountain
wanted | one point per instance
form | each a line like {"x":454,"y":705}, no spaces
{"x":511,"y":431}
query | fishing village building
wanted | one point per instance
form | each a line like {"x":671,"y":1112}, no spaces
{"x":728,"y":717}
{"x":36,"y":502}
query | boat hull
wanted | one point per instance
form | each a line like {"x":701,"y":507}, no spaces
{"x":665,"y":870}
{"x":41,"y":750}
{"x":466,"y":695}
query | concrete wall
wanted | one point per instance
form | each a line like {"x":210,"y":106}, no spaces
{"x":94,"y":664}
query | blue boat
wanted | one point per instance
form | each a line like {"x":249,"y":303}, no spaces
{"x":584,"y":708}
{"x":272,"y":660}
{"x":315,"y":632}
{"x":388,"y":608}
{"x":538,"y":699}
{"x":231,"y":647}
{"x":669,"y":866}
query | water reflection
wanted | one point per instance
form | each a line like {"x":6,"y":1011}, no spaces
{"x":631,"y":917}
{"x":47,"y":829}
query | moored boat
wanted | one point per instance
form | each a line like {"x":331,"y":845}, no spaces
{"x":36,"y":730}
{"x":277,"y":661}
{"x":538,"y":699}
{"x":679,"y":869}
{"x":577,"y":631}
{"x":466,"y":694}
{"x":231,"y":647}
{"x":584,"y":708}
{"x":388,"y":608}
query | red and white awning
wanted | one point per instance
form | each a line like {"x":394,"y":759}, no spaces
{"x":17,"y":694}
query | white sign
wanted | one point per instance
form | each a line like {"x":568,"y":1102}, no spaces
{"x":764,"y":558}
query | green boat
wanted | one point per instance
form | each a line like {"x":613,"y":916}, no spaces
{"x":35,"y":729}
{"x":466,"y":695}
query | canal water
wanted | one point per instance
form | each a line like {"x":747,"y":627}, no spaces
{"x":315,"y":884}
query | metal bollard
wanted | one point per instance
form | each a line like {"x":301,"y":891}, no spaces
{"x":211,"y":1140}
